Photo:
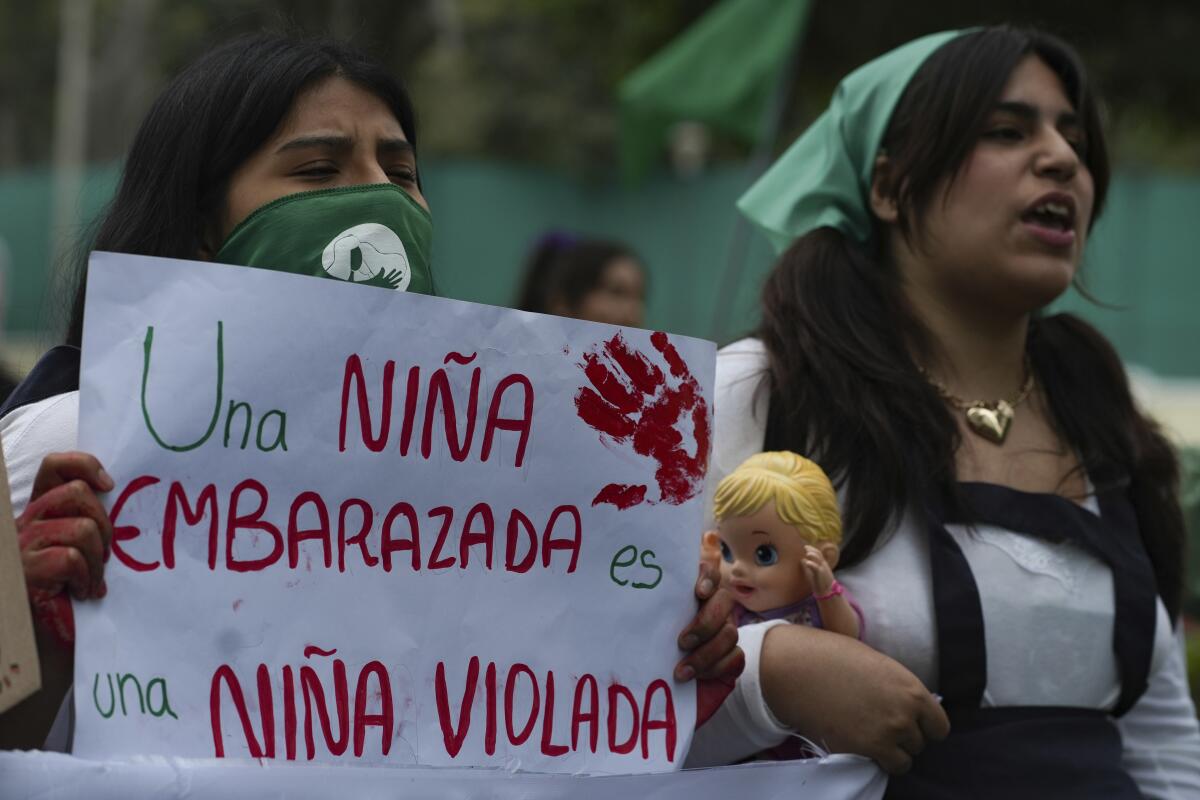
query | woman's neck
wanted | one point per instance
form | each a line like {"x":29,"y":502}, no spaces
{"x":977,"y":354}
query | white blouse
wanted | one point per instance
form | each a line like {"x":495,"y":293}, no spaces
{"x":1048,"y":610}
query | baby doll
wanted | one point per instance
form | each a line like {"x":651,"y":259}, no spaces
{"x":780,"y":532}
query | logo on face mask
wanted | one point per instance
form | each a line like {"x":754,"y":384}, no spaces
{"x":369,"y":253}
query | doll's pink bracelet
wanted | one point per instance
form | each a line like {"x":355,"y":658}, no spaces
{"x":835,"y":589}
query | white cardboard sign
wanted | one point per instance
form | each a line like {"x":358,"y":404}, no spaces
{"x":355,"y":525}
{"x":20,"y":672}
{"x":45,"y":775}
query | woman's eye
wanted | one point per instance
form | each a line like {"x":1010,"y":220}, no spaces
{"x":1005,"y":133}
{"x":765,"y":555}
{"x":323,"y":169}
{"x":403,"y":175}
{"x":726,"y":553}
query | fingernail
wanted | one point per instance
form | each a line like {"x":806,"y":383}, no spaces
{"x":684,"y":673}
{"x":706,"y":586}
{"x":106,"y":481}
{"x":689,"y":641}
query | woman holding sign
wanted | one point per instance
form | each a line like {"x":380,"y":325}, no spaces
{"x":267,"y":151}
{"x":1013,"y":529}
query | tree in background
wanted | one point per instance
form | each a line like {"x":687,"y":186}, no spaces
{"x":535,"y":80}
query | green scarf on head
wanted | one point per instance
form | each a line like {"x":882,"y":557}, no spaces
{"x":824,"y":178}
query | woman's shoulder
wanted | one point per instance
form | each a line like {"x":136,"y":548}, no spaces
{"x":740,"y":392}
{"x":30,"y":432}
{"x":46,"y":417}
{"x":739,"y":410}
{"x":744,"y":354}
{"x":741,"y":373}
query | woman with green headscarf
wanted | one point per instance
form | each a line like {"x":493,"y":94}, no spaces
{"x":1013,"y":530}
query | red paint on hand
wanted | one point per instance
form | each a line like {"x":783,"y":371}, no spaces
{"x":54,"y":614}
{"x":632,"y":401}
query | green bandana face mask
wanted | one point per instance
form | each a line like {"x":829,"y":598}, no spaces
{"x":374,"y":234}
{"x":824,"y":178}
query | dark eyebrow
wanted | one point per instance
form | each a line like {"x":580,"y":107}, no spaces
{"x":1030,"y":113}
{"x":330,"y":141}
{"x":396,"y":146}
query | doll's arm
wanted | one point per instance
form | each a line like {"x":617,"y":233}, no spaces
{"x":837,"y":614}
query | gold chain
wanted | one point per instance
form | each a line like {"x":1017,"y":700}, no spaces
{"x":963,"y":405}
{"x":989,"y":419}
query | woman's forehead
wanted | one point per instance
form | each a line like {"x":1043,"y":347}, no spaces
{"x":337,"y":104}
{"x":1033,"y":83}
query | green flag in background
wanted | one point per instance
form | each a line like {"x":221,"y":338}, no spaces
{"x":721,"y":71}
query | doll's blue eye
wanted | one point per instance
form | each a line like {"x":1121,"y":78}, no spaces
{"x":726,"y":553}
{"x":765,"y":555}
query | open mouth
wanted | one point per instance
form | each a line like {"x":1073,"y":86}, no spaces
{"x":743,"y":591}
{"x":1052,"y":219}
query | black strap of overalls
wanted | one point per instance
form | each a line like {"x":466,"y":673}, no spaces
{"x":56,"y":372}
{"x":1112,"y":537}
{"x":958,"y":615}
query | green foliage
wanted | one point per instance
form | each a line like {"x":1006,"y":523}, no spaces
{"x":27,"y":68}
{"x":535,"y":80}
{"x":1138,"y":55}
{"x":137,"y":45}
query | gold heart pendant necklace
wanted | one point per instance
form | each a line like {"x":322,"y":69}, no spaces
{"x":989,"y":419}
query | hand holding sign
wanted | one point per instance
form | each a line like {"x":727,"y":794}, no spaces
{"x":716,"y":660}
{"x":634,"y":402}
{"x":64,"y":535}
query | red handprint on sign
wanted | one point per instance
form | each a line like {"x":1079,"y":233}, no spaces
{"x":631,"y":400}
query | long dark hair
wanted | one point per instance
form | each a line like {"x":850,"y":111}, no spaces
{"x":842,"y":341}
{"x":563,"y":268}
{"x":205,"y":124}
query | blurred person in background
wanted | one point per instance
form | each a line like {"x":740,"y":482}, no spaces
{"x":256,"y":154}
{"x":589,"y":279}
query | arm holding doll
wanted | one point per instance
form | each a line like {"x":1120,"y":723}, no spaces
{"x":831,"y":688}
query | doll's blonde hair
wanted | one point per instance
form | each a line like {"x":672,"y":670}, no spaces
{"x":803,"y":495}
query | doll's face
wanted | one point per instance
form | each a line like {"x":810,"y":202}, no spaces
{"x":762,"y":560}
